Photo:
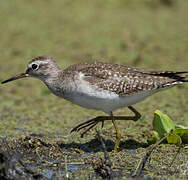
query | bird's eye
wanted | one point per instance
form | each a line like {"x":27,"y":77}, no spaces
{"x":35,"y":66}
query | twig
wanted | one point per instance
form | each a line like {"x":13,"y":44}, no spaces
{"x":179,"y":149}
{"x":106,"y":155}
{"x":106,"y":164}
{"x":143,"y":161}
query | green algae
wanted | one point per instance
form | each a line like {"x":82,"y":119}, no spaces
{"x":36,"y":123}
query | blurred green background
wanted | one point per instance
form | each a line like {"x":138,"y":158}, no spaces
{"x":151,"y":34}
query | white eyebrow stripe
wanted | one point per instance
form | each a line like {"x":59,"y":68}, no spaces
{"x":41,"y":62}
{"x":37,"y":62}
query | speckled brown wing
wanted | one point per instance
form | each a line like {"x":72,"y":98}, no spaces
{"x":124,"y":80}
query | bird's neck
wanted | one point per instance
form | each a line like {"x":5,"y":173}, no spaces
{"x":55,"y":82}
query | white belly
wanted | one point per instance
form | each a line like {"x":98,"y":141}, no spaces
{"x":104,"y":100}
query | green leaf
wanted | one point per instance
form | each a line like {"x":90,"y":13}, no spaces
{"x":181,"y":127}
{"x":162,"y":124}
{"x":154,"y":138}
{"x":174,"y":139}
{"x":182,"y":132}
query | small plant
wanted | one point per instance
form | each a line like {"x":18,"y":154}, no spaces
{"x":163,"y":125}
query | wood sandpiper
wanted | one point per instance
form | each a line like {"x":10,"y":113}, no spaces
{"x":101,"y":86}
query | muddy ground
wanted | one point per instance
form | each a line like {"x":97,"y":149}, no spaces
{"x":35,"y":125}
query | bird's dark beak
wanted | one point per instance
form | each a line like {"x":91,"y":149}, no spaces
{"x":19,"y":76}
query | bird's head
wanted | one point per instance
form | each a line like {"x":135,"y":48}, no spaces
{"x":41,"y":67}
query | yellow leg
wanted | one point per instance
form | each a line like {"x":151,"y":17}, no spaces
{"x":93,"y":122}
{"x":118,"y":134}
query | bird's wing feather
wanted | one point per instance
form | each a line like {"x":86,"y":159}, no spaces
{"x":124,"y":80}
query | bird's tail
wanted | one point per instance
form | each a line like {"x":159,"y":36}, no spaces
{"x":177,"y":76}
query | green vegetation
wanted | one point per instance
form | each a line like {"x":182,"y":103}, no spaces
{"x":163,"y":125}
{"x":146,"y":34}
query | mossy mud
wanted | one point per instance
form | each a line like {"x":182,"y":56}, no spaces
{"x":51,"y":158}
{"x":35,"y":125}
